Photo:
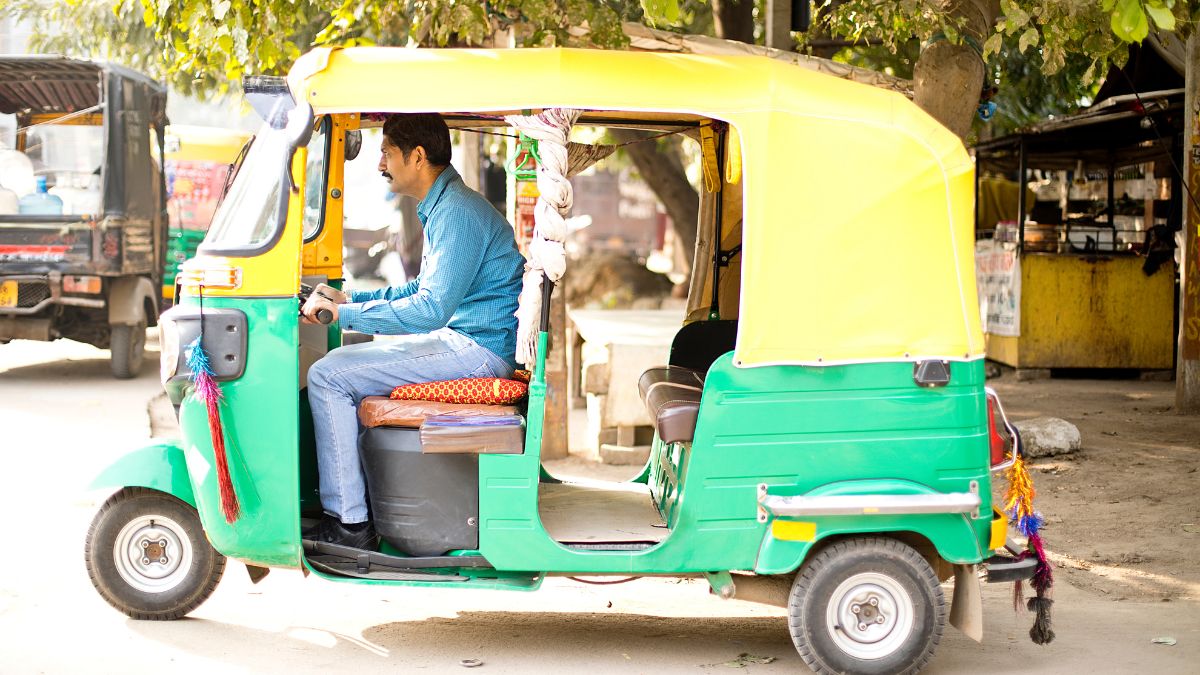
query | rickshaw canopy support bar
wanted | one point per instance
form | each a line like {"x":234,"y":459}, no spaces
{"x":880,"y":505}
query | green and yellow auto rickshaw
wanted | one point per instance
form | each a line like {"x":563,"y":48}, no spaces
{"x":824,"y":439}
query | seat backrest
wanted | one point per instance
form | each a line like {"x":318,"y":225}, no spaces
{"x":699,"y":343}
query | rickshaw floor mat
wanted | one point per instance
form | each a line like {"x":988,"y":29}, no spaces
{"x":323,"y":550}
{"x":595,"y":513}
{"x":350,"y":568}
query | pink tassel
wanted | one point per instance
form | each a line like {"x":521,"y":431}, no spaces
{"x":208,"y":391}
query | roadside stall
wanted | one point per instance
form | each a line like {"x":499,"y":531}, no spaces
{"x":1080,"y":272}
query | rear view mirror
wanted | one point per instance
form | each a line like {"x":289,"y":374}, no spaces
{"x":299,"y":125}
{"x":353,"y":144}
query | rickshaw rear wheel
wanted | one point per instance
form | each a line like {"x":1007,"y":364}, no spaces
{"x":128,"y":346}
{"x":866,"y":605}
{"x":148,"y":557}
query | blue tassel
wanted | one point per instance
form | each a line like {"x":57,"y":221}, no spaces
{"x":197,"y":360}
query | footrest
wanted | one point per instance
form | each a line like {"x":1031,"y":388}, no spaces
{"x":374,"y":558}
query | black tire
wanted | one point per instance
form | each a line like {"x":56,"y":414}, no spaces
{"x":138,"y":518}
{"x":901,"y":609}
{"x":128,"y":345}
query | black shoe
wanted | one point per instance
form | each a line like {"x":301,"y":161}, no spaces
{"x":331,"y":531}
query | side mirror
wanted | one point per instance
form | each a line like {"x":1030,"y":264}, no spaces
{"x":299,"y":125}
{"x":353,"y":144}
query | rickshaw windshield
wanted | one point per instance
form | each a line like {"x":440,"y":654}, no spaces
{"x":249,"y":215}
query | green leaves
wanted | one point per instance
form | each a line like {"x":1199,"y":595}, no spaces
{"x":1129,"y":21}
{"x":661,"y":11}
{"x":1161,"y":14}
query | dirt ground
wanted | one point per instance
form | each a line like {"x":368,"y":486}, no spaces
{"x":1123,"y":513}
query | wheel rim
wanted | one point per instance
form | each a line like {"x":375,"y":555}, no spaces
{"x":870,"y":616}
{"x":152,"y":554}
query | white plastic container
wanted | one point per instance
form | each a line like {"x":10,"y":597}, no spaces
{"x":40,"y":202}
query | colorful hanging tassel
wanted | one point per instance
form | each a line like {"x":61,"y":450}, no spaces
{"x":1018,"y":504}
{"x":209,"y":391}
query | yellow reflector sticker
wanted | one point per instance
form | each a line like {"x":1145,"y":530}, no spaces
{"x":790,"y":530}
{"x":870,"y":509}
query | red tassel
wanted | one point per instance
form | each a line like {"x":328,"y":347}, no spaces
{"x":229,"y":501}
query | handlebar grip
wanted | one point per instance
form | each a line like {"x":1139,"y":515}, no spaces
{"x":324,"y":316}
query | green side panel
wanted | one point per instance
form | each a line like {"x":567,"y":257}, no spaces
{"x":793,"y":428}
{"x":260,"y":415}
{"x":159,"y":467}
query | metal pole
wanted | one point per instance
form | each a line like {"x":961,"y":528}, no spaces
{"x":1022,"y":181}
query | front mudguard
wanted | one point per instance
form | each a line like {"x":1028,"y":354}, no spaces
{"x":159,"y":467}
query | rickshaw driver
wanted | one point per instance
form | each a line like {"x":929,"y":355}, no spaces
{"x":456,"y":319}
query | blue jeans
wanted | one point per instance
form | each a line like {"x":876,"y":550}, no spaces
{"x":340,"y":380}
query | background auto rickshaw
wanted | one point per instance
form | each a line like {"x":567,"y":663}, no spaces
{"x":199,"y":160}
{"x":824,"y":440}
{"x":90,"y":268}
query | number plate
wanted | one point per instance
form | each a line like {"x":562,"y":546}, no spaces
{"x":8,"y":294}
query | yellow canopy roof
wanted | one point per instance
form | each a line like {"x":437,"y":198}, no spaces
{"x":857,"y":206}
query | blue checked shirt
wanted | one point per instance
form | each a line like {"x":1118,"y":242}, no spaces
{"x":469,"y":280}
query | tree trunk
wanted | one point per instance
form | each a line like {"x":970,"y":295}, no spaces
{"x":662,"y":169}
{"x":947,"y":78}
{"x":1187,"y":375}
{"x":734,"y":19}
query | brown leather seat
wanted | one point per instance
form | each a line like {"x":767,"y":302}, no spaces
{"x":381,"y":411}
{"x":672,"y":397}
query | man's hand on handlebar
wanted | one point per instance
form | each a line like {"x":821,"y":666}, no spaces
{"x":321,"y":305}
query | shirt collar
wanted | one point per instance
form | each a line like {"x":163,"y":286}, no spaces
{"x":425,"y":206}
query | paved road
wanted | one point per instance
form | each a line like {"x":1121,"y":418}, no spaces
{"x":62,"y":418}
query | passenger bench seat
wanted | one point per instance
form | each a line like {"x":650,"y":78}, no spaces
{"x":672,"y":397}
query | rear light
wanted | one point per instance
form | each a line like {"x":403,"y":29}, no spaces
{"x":1004,"y":443}
{"x":78,"y":284}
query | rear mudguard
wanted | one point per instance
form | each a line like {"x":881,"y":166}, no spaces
{"x":788,"y":540}
{"x":158,"y":467}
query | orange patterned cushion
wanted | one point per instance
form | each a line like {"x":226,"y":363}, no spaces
{"x":476,"y":390}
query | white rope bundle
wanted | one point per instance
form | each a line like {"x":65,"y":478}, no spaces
{"x":550,"y":129}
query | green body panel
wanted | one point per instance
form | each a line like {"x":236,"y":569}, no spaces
{"x":159,"y":467}
{"x":793,"y":428}
{"x":260,"y":416}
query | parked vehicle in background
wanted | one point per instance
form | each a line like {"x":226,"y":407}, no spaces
{"x":198,"y":165}
{"x":82,"y":259}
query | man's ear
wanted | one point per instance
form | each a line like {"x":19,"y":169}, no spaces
{"x":419,"y":155}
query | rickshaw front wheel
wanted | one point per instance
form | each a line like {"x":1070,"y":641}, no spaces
{"x":147,"y":555}
{"x":866,"y":605}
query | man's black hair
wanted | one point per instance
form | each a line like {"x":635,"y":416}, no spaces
{"x":408,"y":130}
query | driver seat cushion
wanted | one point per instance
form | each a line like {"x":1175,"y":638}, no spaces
{"x":381,"y":411}
{"x":672,"y":398}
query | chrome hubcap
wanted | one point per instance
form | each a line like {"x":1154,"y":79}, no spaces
{"x":152,"y":554}
{"x":870,"y":616}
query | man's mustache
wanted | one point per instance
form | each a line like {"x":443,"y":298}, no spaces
{"x":385,"y":175}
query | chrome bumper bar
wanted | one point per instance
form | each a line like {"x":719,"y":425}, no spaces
{"x":871,"y":505}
